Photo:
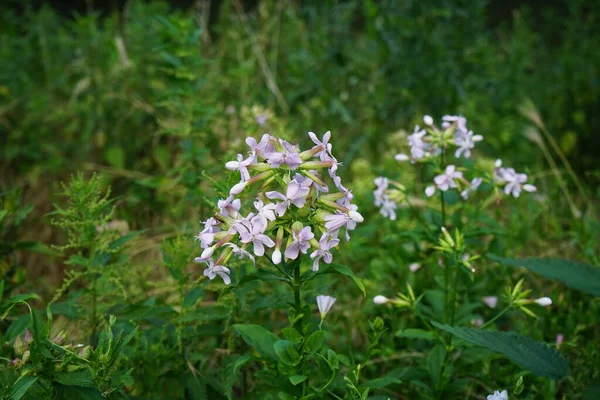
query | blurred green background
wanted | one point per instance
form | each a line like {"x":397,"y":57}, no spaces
{"x":156,"y":95}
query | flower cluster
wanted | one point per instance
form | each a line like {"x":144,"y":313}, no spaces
{"x":427,"y":145}
{"x":295,"y":210}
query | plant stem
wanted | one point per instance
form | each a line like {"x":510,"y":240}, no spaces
{"x":297,"y":301}
{"x":501,"y":313}
{"x":454,"y":290}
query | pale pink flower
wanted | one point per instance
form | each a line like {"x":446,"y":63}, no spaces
{"x":295,"y":194}
{"x":300,"y":242}
{"x":325,"y":303}
{"x":241,"y":165}
{"x":213,"y":270}
{"x":490,"y":301}
{"x":251,"y":231}
{"x":503,"y":395}
{"x":447,"y":180}
{"x":326,"y":243}
{"x":229,"y":207}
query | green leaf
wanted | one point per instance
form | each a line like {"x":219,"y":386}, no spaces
{"x":314,"y":342}
{"x":287,"y":353}
{"x":192,"y":297}
{"x":120,"y":242}
{"x":296,"y":379}
{"x":76,"y":392}
{"x":534,"y":356}
{"x":342,"y":270}
{"x":21,"y":386}
{"x":292,"y":334}
{"x":259,"y":338}
{"x":78,"y":378}
{"x":416,"y":334}
{"x":239,"y":363}
{"x":435,"y":364}
{"x":575,"y":275}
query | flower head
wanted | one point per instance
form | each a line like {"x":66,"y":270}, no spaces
{"x":325,"y":303}
{"x":498,"y":395}
{"x":326,"y":243}
{"x":213,"y":270}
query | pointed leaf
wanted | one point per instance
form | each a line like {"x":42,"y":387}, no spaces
{"x":575,"y":275}
{"x":21,"y":386}
{"x":534,"y":356}
{"x":259,"y":338}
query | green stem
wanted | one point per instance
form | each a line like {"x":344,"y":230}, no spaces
{"x":446,"y":282}
{"x":297,"y":301}
{"x":501,"y":313}
{"x":454,"y":290}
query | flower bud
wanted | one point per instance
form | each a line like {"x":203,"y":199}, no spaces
{"x":207,"y":253}
{"x":428,"y":120}
{"x":355,"y":216}
{"x":25,"y":356}
{"x":401,"y":157}
{"x":276,"y":257}
{"x":325,"y":303}
{"x":237,"y":188}
{"x":19,"y":346}
{"x":380,"y":300}
{"x":544,"y":301}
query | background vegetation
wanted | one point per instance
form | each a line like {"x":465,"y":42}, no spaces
{"x":155,"y":100}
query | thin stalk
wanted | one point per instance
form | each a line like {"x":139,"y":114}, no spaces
{"x":501,"y":313}
{"x":297,"y":301}
{"x":454,"y":290}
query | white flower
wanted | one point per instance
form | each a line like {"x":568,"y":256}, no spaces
{"x":300,"y":243}
{"x":251,"y":231}
{"x":241,"y":165}
{"x":382,"y":184}
{"x":207,"y":235}
{"x":240,"y":252}
{"x":490,"y":301}
{"x":544,"y":301}
{"x":498,"y":395}
{"x":213,"y":270}
{"x":323,"y":156}
{"x":430,"y":191}
{"x":229,"y":207}
{"x":473,"y":187}
{"x":515,"y":182}
{"x":428,"y":120}
{"x":388,"y":208}
{"x":264,"y":146}
{"x":461,"y":122}
{"x":446,"y":180}
{"x":414,"y":267}
{"x":265,"y":212}
{"x":326,"y":243}
{"x":401,"y":157}
{"x":325,"y":303}
{"x":417,"y":146}
{"x":380,"y":300}
{"x":465,"y":141}
{"x":295,"y":194}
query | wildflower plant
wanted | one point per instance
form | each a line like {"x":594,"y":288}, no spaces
{"x":290,"y":209}
{"x":452,"y":242}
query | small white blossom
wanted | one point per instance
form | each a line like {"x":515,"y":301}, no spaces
{"x":326,"y":243}
{"x":428,"y":120}
{"x":265,"y":212}
{"x":498,"y":395}
{"x":544,"y":301}
{"x":380,"y":300}
{"x":325,"y":303}
{"x":229,"y":207}
{"x":465,"y":141}
{"x":213,"y":270}
{"x":490,"y":301}
{"x":295,"y":194}
{"x":251,"y":231}
{"x":418,"y":147}
{"x":414,"y":267}
{"x":241,"y":165}
{"x":475,"y":183}
{"x":461,"y":122}
{"x":300,"y":241}
{"x":446,"y":180}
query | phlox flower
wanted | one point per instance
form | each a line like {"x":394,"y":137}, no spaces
{"x":240,"y":252}
{"x":325,"y":303}
{"x":382,"y":184}
{"x":213,"y":270}
{"x":515,"y":183}
{"x":264,"y":146}
{"x":323,"y":156}
{"x":277,"y":159}
{"x":300,"y":241}
{"x":475,"y":183}
{"x":295,"y":194}
{"x":418,"y":147}
{"x":207,"y":235}
{"x":264,"y":212}
{"x":465,"y":141}
{"x":388,"y":208}
{"x":490,"y":301}
{"x":241,"y":165}
{"x":229,"y":207}
{"x":251,"y":231}
{"x":445,"y":180}
{"x":503,"y":395}
{"x":461,"y":122}
{"x":326,"y":243}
